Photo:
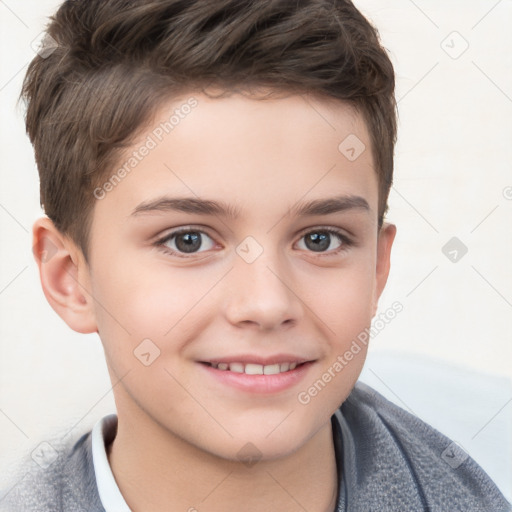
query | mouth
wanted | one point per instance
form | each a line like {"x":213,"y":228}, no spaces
{"x":256,"y":369}
{"x":258,"y":377}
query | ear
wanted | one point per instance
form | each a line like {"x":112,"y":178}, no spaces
{"x":385,"y":240}
{"x":64,"y":276}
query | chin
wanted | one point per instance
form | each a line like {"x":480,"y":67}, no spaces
{"x":250,"y":446}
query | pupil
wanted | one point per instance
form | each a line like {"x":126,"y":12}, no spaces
{"x":192,"y":242}
{"x":321,"y":241}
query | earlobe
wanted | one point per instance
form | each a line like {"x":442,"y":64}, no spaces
{"x":64,"y":276}
{"x":384,"y":243}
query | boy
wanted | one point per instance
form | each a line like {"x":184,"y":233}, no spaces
{"x":215,"y":176}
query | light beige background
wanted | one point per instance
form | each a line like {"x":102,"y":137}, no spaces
{"x":453,"y":179}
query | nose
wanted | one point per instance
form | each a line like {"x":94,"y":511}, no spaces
{"x":261,"y":294}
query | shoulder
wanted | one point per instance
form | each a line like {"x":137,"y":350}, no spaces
{"x":57,"y":476}
{"x":399,"y":461}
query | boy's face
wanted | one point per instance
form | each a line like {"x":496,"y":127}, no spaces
{"x":269,"y":286}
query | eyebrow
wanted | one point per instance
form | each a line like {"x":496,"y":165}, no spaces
{"x":197,"y":206}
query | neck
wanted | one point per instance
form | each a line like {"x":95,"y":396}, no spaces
{"x":153,"y":469}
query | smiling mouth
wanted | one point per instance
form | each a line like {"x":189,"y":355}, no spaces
{"x":256,"y":369}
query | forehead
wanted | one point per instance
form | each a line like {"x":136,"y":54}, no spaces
{"x":252,"y":153}
{"x":272,"y":123}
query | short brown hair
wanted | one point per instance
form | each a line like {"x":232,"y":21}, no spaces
{"x":117,"y":61}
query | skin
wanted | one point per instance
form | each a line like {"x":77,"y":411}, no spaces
{"x":180,"y":430}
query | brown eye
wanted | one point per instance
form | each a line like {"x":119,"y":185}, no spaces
{"x":185,"y":241}
{"x":325,"y":240}
{"x":188,"y":242}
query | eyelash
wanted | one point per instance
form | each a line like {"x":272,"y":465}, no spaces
{"x":346,"y":242}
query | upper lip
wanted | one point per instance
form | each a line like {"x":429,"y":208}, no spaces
{"x":258,"y":359}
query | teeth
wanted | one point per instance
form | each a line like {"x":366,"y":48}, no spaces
{"x":271,"y":369}
{"x":256,"y":369}
{"x":236,"y":367}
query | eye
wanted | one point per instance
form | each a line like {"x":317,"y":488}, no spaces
{"x":322,"y":240}
{"x":189,"y":241}
{"x":184,"y":241}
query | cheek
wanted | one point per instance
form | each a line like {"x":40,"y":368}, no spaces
{"x":345,"y":301}
{"x":137,"y":302}
{"x":345,"y":307}
{"x":134,"y":294}
{"x":346,"y":314}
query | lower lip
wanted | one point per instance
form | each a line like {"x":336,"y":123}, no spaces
{"x":259,"y":383}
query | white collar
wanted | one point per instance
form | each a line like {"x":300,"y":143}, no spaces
{"x":110,"y":495}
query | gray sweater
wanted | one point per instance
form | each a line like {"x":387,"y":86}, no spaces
{"x":388,"y":461}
